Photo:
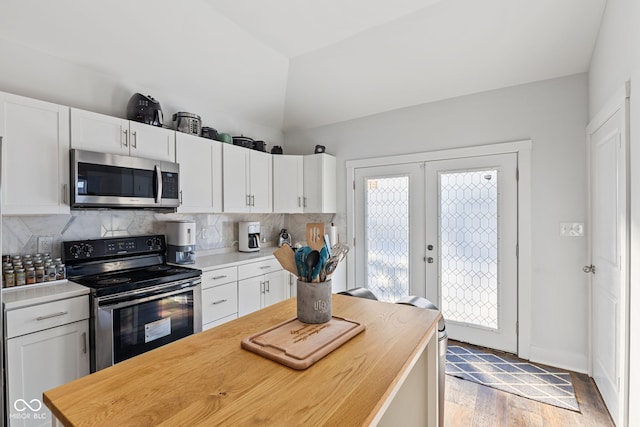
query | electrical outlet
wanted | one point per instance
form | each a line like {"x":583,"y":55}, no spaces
{"x":572,"y":229}
{"x":45,"y":244}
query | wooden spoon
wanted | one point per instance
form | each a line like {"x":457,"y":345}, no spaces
{"x":315,"y":235}
{"x":286,"y":257}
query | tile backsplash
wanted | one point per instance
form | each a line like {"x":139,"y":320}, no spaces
{"x":214,"y":231}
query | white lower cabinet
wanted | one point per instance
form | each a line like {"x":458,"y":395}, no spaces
{"x":219,"y":296}
{"x":47,"y":345}
{"x":261,"y":284}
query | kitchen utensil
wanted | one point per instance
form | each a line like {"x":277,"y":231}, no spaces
{"x":243,"y":141}
{"x":329,"y":267}
{"x":286,"y":257}
{"x":315,"y":235}
{"x":316,"y":274}
{"x":300,"y":256}
{"x":327,"y":244}
{"x":311,"y":261}
{"x":208,"y":132}
{"x":144,"y":109}
{"x":339,"y":251}
{"x":225,"y":137}
{"x":188,"y":123}
{"x":260,"y":146}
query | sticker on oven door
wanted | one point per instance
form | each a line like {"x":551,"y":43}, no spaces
{"x":158,"y":329}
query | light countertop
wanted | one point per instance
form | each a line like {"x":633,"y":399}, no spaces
{"x":18,"y":297}
{"x":229,"y":259}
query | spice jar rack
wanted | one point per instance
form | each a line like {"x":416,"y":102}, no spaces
{"x":30,"y":269}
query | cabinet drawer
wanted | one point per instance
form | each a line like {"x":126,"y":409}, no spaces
{"x":219,"y":301}
{"x":258,"y":268}
{"x":219,"y":276}
{"x":220,"y":321}
{"x":44,"y":316}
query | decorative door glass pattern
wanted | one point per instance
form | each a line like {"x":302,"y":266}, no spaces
{"x":469,"y":247}
{"x":387,"y":237}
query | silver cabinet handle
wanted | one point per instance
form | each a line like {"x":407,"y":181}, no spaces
{"x":262,"y":287}
{"x":304,"y":202}
{"x":264,"y":267}
{"x":84,"y":342}
{"x":248,"y":199}
{"x":268,"y":286}
{"x":180,"y":197}
{"x":219,"y":277}
{"x":299,"y":202}
{"x":49,"y":316}
{"x":125,"y":141}
{"x":218,"y":302}
{"x":65,"y":194}
{"x":134,"y":143}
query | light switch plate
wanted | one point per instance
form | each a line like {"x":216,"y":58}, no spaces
{"x":572,"y":229}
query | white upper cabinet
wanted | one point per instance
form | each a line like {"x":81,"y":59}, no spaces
{"x":319,"y":183}
{"x":105,"y":134}
{"x":35,"y":156}
{"x":200,"y":162}
{"x":288,"y":184}
{"x":247,"y":177}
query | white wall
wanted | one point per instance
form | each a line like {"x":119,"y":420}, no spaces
{"x":553,"y":114}
{"x":189,"y":58}
{"x":616,"y":59}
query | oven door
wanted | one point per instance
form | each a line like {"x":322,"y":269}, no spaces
{"x":132,"y":323}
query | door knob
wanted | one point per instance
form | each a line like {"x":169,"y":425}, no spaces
{"x":430,"y":247}
{"x":430,"y":260}
{"x":589,"y":269}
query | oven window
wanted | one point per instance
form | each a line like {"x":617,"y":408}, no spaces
{"x":102,"y":180}
{"x":148,"y":325}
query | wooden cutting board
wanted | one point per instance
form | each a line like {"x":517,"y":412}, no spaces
{"x":299,"y":345}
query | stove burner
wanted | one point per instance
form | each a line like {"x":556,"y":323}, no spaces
{"x":159,"y":268}
{"x":113,"y":281}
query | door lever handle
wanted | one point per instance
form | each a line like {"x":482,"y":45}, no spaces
{"x":589,"y":269}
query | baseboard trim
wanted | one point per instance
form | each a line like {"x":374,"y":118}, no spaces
{"x":560,"y":359}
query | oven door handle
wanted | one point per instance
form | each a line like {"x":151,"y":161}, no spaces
{"x":129,"y":299}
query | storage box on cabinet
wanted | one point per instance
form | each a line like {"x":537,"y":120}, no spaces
{"x":219,"y":296}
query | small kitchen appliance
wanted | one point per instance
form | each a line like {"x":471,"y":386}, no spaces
{"x":181,"y":242}
{"x":144,"y":109}
{"x":285,"y":237}
{"x":137,"y":301}
{"x":249,"y":236}
{"x":188,"y":123}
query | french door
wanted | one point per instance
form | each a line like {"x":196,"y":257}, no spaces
{"x":446,"y":230}
{"x":389,"y":230}
{"x":472,"y":239}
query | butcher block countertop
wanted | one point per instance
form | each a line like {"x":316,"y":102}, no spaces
{"x":208,"y":379}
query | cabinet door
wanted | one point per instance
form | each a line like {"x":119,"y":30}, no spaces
{"x":152,"y":142}
{"x":250,"y":293}
{"x":98,"y":132}
{"x":287,"y":183}
{"x":260,"y":168}
{"x":320,"y":183}
{"x":196,"y":158}
{"x":234,"y":179}
{"x":35,"y":156}
{"x":40,"y":361}
{"x":276,"y":287}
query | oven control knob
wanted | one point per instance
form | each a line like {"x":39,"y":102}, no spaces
{"x":88,"y":249}
{"x":157,"y":241}
{"x":149,"y":242}
{"x":74,"y":250}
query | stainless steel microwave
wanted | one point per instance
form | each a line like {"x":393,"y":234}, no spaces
{"x":102,"y":180}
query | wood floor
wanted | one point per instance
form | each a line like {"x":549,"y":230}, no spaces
{"x":468,"y":404}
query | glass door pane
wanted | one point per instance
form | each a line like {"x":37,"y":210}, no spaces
{"x":469,"y":247}
{"x":387,"y":237}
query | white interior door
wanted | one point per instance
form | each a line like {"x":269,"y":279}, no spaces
{"x":608,"y":261}
{"x":389,"y":230}
{"x":472,"y":247}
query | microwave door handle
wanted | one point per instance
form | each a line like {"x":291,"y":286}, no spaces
{"x":158,"y":173}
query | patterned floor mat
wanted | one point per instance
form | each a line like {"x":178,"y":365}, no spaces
{"x":544,"y":384}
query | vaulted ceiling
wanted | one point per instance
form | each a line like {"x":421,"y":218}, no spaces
{"x":295,"y":64}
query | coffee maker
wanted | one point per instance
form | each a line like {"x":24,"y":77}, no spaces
{"x":181,"y":242}
{"x":249,"y":236}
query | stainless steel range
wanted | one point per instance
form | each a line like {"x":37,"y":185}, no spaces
{"x":138,"y":302}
